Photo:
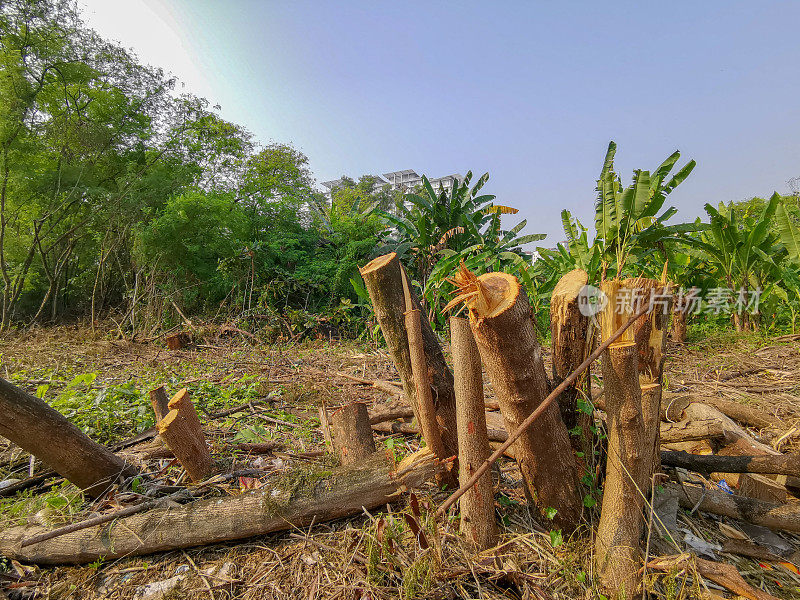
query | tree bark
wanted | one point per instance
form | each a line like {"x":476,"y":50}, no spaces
{"x":426,"y":411}
{"x":650,"y":333}
{"x":373,"y":483}
{"x":44,"y":432}
{"x":679,"y":325}
{"x":160,"y":402}
{"x":687,"y":431}
{"x":617,"y":557}
{"x":500,"y":317}
{"x":569,"y":330}
{"x":383,"y":280}
{"x":181,"y":431}
{"x":477,"y":505}
{"x":352,"y":433}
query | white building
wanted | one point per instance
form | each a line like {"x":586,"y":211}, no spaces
{"x":406,"y":181}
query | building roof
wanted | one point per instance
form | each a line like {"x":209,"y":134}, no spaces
{"x":406,"y":172}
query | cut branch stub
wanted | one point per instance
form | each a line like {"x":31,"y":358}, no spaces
{"x":571,"y":344}
{"x":160,"y":402}
{"x":384,"y":283}
{"x":183,"y":434}
{"x":477,"y":505}
{"x":352,"y":433}
{"x":500,"y":317}
{"x":44,"y":432}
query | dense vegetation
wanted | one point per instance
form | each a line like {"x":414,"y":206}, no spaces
{"x":121,"y":196}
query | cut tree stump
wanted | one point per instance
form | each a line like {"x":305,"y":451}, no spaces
{"x":426,"y":411}
{"x":501,"y":321}
{"x":179,"y":341}
{"x":571,"y":344}
{"x":384,"y":282}
{"x":477,"y":505}
{"x":44,"y":432}
{"x":650,"y":333}
{"x":352,"y":433}
{"x":347,"y":491}
{"x":617,"y":556}
{"x":181,"y":431}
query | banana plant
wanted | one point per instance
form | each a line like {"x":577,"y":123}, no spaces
{"x":627,"y":220}
{"x":430,"y":221}
{"x":786,"y":220}
{"x":743,"y":250}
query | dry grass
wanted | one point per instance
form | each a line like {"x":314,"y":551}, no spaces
{"x":372,"y":555}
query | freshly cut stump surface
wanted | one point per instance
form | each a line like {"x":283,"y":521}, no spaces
{"x":502,"y":324}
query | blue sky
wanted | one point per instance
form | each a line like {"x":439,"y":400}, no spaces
{"x":531,"y":92}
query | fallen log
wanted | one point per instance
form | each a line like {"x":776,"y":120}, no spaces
{"x":182,"y":433}
{"x":784,"y":464}
{"x":733,"y":432}
{"x":784,"y":517}
{"x":687,"y":431}
{"x":351,"y":433}
{"x":500,"y":317}
{"x":673,"y":406}
{"x":742,"y":413}
{"x":373,"y":483}
{"x":477,"y":506}
{"x":44,"y":432}
{"x":384,"y":282}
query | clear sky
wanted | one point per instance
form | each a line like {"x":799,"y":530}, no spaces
{"x":531,"y":92}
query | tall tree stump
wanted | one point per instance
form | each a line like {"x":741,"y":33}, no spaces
{"x":384,"y":282}
{"x":571,"y":342}
{"x":650,"y":332}
{"x":501,"y":321}
{"x":44,"y":432}
{"x":352,"y":433}
{"x":181,"y":431}
{"x":477,"y":505}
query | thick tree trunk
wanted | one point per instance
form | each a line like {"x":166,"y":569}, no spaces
{"x":183,"y":434}
{"x":352,"y":433}
{"x":617,"y":556}
{"x":477,"y":505}
{"x":349,"y":490}
{"x":500,"y":317}
{"x":384,"y":283}
{"x":571,"y":342}
{"x":39,"y":429}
